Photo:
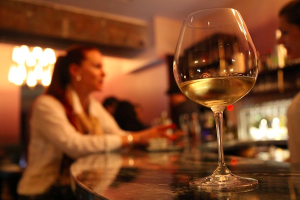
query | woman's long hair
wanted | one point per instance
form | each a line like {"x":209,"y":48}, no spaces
{"x":61,"y":76}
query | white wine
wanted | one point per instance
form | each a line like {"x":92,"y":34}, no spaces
{"x":217,"y":92}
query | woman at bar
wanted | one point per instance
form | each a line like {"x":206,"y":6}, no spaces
{"x":289,"y":25}
{"x":67,"y":123}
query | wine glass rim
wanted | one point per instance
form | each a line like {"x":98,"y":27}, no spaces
{"x":211,"y":9}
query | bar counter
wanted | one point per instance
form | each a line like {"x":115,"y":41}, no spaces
{"x":139,"y":174}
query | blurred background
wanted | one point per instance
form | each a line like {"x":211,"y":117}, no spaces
{"x":138,"y":40}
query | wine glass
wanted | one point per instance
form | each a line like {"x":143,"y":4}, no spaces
{"x":215,"y":65}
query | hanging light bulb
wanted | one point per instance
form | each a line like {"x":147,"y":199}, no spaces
{"x":19,"y":76}
{"x":46,"y":79}
{"x":32,"y":67}
{"x":22,"y":54}
{"x":15,"y":54}
{"x":43,"y":60}
{"x":22,"y":72}
{"x":30,"y":60}
{"x":12,"y":73}
{"x":38,"y":72}
{"x":37,"y":52}
{"x":49,"y":54}
{"x":18,"y":82}
{"x":31,"y":80}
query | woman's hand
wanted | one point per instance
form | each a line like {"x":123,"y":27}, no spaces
{"x":143,"y":137}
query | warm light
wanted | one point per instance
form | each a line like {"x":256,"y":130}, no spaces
{"x":19,"y":76}
{"x":31,"y":79}
{"x":43,"y":61}
{"x":23,"y":54}
{"x":230,"y":107}
{"x":233,"y":161}
{"x":18,"y":55}
{"x":30,"y":60}
{"x":22,"y":72}
{"x":131,"y":162}
{"x":50,"y":55}
{"x":32,"y":66}
{"x":278,"y":34}
{"x":38,"y":72}
{"x":37,"y":52}
{"x":18,"y":82}
{"x":24,"y":49}
{"x":15,"y":54}
{"x":46,"y":78}
{"x":12,"y":73}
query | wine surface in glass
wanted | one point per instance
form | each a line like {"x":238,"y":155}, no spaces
{"x":218,"y":91}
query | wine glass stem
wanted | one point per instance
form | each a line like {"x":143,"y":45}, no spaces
{"x":219,"y":125}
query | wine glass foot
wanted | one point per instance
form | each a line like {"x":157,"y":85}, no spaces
{"x":228,"y":182}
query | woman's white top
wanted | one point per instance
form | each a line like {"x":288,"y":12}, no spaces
{"x":52,"y":135}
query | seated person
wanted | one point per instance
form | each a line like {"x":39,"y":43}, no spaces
{"x":67,"y":122}
{"x":126,"y":117}
{"x":110,"y":104}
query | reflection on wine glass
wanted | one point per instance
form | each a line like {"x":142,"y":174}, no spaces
{"x":215,"y":65}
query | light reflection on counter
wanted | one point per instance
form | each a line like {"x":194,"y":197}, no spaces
{"x":165,"y":175}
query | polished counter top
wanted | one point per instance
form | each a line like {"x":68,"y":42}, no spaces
{"x":138,"y":174}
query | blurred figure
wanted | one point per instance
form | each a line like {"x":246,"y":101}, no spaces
{"x":180,"y":104}
{"x":195,"y":119}
{"x":127,"y":118}
{"x":67,"y":123}
{"x":289,"y":25}
{"x":139,"y":111}
{"x":110,"y":104}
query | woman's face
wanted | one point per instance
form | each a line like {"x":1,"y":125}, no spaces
{"x":290,"y":38}
{"x":91,"y":71}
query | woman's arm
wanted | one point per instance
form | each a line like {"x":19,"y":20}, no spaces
{"x":50,"y":121}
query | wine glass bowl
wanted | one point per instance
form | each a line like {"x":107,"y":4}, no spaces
{"x":215,"y":65}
